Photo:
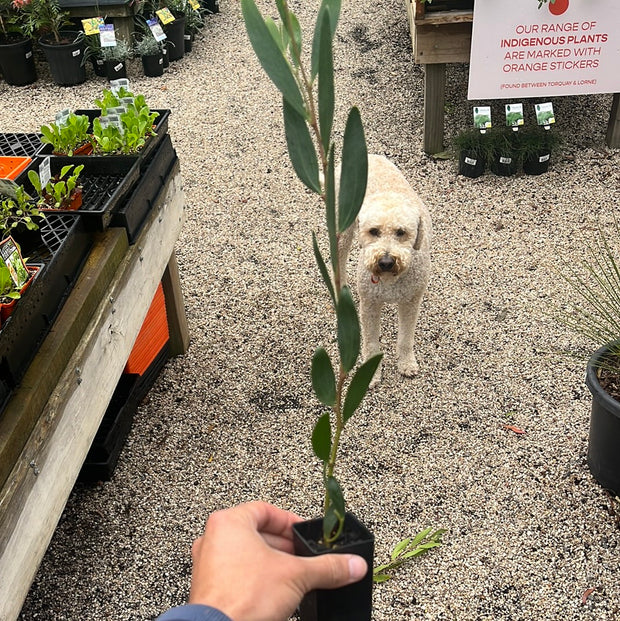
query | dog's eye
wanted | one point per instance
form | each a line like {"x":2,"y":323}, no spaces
{"x":375,"y":232}
{"x":400,"y":232}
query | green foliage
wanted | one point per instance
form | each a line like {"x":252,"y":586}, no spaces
{"x":408,"y":549}
{"x":8,"y":290}
{"x":308,"y":111}
{"x":147,"y":45}
{"x":119,"y":52}
{"x":44,"y":17}
{"x":17,"y":212}
{"x":66,"y":138}
{"x":58,"y":191}
{"x":472,"y":140}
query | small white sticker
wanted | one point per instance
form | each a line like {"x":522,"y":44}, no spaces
{"x":505,"y":160}
{"x":76,"y":53}
{"x":470,"y":161}
{"x":544,"y":158}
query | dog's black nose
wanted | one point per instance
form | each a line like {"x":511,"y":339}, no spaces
{"x":386,"y":263}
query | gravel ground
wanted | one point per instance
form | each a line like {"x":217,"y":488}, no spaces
{"x":528,"y":529}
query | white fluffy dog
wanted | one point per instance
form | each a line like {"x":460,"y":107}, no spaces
{"x":394,"y":264}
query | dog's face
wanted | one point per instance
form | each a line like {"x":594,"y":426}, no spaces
{"x":388,"y":233}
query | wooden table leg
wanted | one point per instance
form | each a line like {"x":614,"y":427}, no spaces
{"x":177,"y":321}
{"x":613,"y":129}
{"x":434,"y":101}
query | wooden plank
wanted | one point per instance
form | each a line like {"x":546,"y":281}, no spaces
{"x":440,"y":18}
{"x":434,"y":102}
{"x":613,"y":128}
{"x":449,"y":43}
{"x":55,"y":452}
{"x":175,"y":309}
{"x":29,"y":398}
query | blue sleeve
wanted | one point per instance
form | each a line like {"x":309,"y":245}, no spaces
{"x":193,"y":612}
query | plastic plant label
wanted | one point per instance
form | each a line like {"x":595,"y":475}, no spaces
{"x":116,"y":85}
{"x":11,"y":258}
{"x":62,"y":116}
{"x":194,"y":4}
{"x":91,"y":25}
{"x":471,"y":161}
{"x":8,"y":187}
{"x":45,"y":171}
{"x":127,"y":101}
{"x":156,"y":29}
{"x":544,"y":113}
{"x":115,"y":119}
{"x":514,"y":115}
{"x":505,"y":160}
{"x":482,"y":117}
{"x":165,"y":16}
{"x":107,"y":35}
{"x":28,"y":54}
{"x":76,"y":53}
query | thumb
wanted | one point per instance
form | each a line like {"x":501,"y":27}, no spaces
{"x":330,"y":571}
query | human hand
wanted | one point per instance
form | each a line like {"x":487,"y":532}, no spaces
{"x":244,"y":565}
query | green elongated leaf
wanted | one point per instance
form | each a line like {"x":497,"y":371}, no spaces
{"x":323,"y":378}
{"x":296,"y":39}
{"x":323,"y":268}
{"x":330,"y":209}
{"x":334,"y":11}
{"x":399,"y":548}
{"x":270,"y":56}
{"x":354,"y":171}
{"x":348,"y":330}
{"x":333,"y":521}
{"x":336,"y":497}
{"x":378,"y":578}
{"x":330,"y":525}
{"x":279,"y":35}
{"x":420,"y":536}
{"x":300,"y":147}
{"x":326,"y":83}
{"x":359,"y":386}
{"x":322,"y":438}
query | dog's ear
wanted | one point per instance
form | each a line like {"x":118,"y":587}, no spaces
{"x":417,"y":244}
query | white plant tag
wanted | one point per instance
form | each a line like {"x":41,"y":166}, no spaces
{"x":482,"y":117}
{"x":107,"y":35}
{"x":116,"y":85}
{"x":156,"y":29}
{"x":514,"y":115}
{"x":45,"y":171}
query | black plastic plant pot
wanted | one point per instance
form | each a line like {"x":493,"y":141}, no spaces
{"x":105,"y":181}
{"x":98,"y":67}
{"x":537,"y":164}
{"x":212,"y":6}
{"x":175,"y":32}
{"x":471,"y":164}
{"x":604,"y":439}
{"x":153,"y":65}
{"x":504,"y":164}
{"x":189,"y":42}
{"x":17,"y":63}
{"x":350,"y":603}
{"x":115,"y":69}
{"x":65,"y":59}
{"x":165,"y":50}
{"x":19,"y":145}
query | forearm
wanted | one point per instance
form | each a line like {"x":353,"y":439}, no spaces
{"x":193,"y":612}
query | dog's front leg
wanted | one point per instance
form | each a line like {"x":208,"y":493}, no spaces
{"x":408,"y":313}
{"x":370,"y":320}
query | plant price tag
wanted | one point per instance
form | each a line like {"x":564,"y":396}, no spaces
{"x":107,"y":35}
{"x":45,"y":172}
{"x":91,"y":25}
{"x":482,"y":117}
{"x":514,"y":115}
{"x":11,"y":259}
{"x":544,"y":114}
{"x":194,"y":4}
{"x":115,"y":120}
{"x":165,"y":16}
{"x":156,"y":29}
{"x":116,"y":85}
{"x":127,"y":101}
{"x":62,"y":117}
{"x":8,"y":187}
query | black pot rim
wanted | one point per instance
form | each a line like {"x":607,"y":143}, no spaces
{"x":592,"y":381}
{"x":43,"y":41}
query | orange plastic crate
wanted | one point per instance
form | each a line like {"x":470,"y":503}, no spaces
{"x":152,"y":337}
{"x":12,"y":167}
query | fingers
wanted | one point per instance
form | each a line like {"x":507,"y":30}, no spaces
{"x":331,"y":571}
{"x":269,"y":519}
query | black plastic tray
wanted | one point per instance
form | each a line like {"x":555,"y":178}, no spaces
{"x":105,"y":181}
{"x":20,"y":145}
{"x":62,"y":247}
{"x":132,"y":214}
{"x":161,"y":129}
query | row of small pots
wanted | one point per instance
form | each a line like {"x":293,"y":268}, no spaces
{"x":473,"y":165}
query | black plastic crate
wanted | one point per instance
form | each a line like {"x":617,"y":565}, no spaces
{"x":132,"y":214}
{"x":20,"y":145}
{"x":116,"y":424}
{"x":61,"y":247}
{"x":161,"y":129}
{"x":105,"y":181}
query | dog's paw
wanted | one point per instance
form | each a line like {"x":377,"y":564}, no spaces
{"x":408,"y":367}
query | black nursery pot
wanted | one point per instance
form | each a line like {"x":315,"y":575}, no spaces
{"x":350,"y":603}
{"x":471,"y":164}
{"x":115,"y":69}
{"x":153,"y":65}
{"x":212,"y":6}
{"x":17,"y":62}
{"x":604,"y":438}
{"x":504,"y":164}
{"x":165,"y":51}
{"x":537,"y":164}
{"x":98,"y":67}
{"x":65,"y":59}
{"x":175,"y":32}
{"x":188,"y":38}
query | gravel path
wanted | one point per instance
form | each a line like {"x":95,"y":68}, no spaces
{"x":529,"y":531}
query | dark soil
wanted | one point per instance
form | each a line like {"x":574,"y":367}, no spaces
{"x":610,"y":383}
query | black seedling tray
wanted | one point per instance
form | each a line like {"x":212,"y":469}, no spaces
{"x":62,"y":247}
{"x":132,"y":214}
{"x":105,"y":182}
{"x":161,"y":129}
{"x":20,"y":145}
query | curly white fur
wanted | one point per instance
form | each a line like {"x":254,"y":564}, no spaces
{"x":394,"y":266}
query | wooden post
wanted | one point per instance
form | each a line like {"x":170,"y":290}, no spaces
{"x":434,"y":101}
{"x":175,"y":310}
{"x":613,"y":129}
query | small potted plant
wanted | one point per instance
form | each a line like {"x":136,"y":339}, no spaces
{"x":115,"y":59}
{"x":92,"y":53}
{"x":193,"y":23}
{"x":472,"y":148}
{"x":61,"y":191}
{"x":18,"y":214}
{"x":16,"y":58}
{"x":15,"y":277}
{"x":70,"y":137}
{"x":175,"y":30}
{"x":536,"y":145}
{"x":150,"y":52}
{"x":503,"y":151}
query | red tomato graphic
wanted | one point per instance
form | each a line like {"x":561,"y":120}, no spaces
{"x":558,"y":7}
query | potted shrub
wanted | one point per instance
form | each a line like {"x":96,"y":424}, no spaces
{"x":337,"y":386}
{"x":61,"y":191}
{"x":472,"y":148}
{"x":150,"y":52}
{"x":16,"y":57}
{"x":92,"y":53}
{"x":115,"y":59}
{"x":175,"y":30}
{"x":69,"y":137}
{"x":503,"y":151}
{"x":596,"y":316}
{"x":193,"y":23}
{"x":536,"y":145}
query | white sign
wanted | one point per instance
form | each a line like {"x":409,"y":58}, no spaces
{"x":568,"y":47}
